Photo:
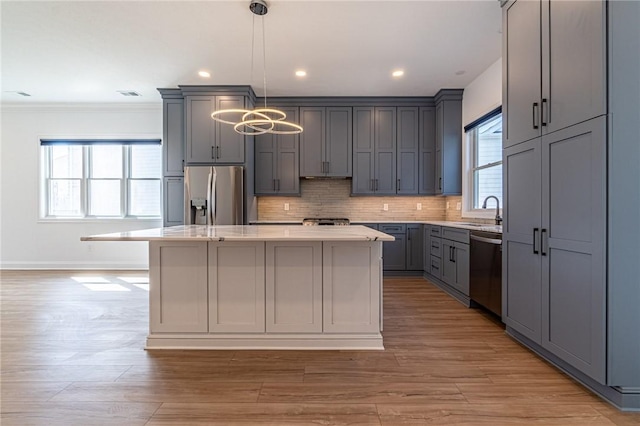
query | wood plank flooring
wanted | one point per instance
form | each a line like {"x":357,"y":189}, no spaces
{"x":72,"y":354}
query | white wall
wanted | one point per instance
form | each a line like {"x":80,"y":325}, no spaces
{"x":25,"y":241}
{"x":483,"y":94}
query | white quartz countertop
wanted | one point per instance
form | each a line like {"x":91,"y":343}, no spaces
{"x":248,"y":233}
{"x":461,"y":224}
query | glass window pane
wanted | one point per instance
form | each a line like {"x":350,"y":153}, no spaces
{"x":146,"y":161}
{"x":489,"y":142}
{"x":488,"y":182}
{"x":104,"y":197}
{"x":64,"y":198}
{"x":106,"y":161}
{"x":66,"y":161}
{"x":144,"y":197}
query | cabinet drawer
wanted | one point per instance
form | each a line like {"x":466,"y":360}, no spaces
{"x":456,"y":234}
{"x":392,"y":228}
{"x":434,"y":268}
{"x":436,"y":247}
{"x":435,"y":231}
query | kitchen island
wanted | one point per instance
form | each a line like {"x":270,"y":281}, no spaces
{"x":263,"y":287}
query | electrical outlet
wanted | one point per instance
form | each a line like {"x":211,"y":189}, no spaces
{"x":419,"y":206}
{"x":458,"y":206}
{"x":286,"y":206}
{"x":447,"y":205}
{"x":385,"y":207}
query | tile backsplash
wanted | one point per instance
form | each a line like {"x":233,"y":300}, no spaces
{"x":331,"y":198}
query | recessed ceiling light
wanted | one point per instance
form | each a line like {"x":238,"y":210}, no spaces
{"x":18,"y":93}
{"x":129,"y":93}
{"x":397,"y":73}
{"x":204,"y":74}
{"x":301,"y":73}
{"x":461,"y":72}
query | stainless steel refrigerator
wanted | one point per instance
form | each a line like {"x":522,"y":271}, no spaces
{"x":213,"y":195}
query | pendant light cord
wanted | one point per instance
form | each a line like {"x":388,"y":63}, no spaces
{"x":264,"y":63}
{"x":253,"y":42}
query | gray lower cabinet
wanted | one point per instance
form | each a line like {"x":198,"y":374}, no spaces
{"x":173,"y":200}
{"x":426,"y":247}
{"x":374,"y":150}
{"x":414,"y":247}
{"x":326,"y":146}
{"x":448,"y":153}
{"x":455,"y":265}
{"x":208,"y":141}
{"x":554,"y":244}
{"x":394,"y":253}
{"x":408,"y":150}
{"x":173,"y":137}
{"x":277,"y":162}
{"x":427,"y":160}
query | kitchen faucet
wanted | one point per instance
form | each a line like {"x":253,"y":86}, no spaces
{"x":484,"y":206}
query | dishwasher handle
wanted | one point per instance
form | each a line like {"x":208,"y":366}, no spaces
{"x":486,"y":240}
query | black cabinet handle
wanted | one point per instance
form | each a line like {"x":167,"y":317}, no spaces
{"x":398,"y":185}
{"x":535,"y":240}
{"x":544,"y":112}
{"x":376,"y":180}
{"x":213,"y":152}
{"x":535,"y":118}
{"x":543,"y":237}
{"x":453,"y":254}
{"x":328,"y":167}
{"x":440,"y":184}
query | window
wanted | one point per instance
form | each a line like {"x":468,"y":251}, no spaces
{"x":98,"y":179}
{"x":483,"y":164}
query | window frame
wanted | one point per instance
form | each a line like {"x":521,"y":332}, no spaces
{"x":126,"y":145}
{"x":469,"y":184}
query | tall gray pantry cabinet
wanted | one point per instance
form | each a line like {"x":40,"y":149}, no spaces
{"x":571,"y":102}
{"x":192,"y":137}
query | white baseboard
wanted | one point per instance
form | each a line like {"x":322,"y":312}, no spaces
{"x":101,"y":265}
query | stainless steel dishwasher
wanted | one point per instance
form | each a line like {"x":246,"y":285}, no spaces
{"x":485,"y":275}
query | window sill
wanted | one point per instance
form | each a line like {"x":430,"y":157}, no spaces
{"x":101,"y":220}
{"x":480,"y":214}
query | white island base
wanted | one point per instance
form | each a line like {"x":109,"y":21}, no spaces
{"x":285,"y":288}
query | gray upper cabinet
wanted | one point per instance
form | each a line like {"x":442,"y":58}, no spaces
{"x":426,"y":163}
{"x":326,"y":143}
{"x":207,"y":141}
{"x":277,"y":162}
{"x":448,"y":155}
{"x":554,"y":66}
{"x":374,"y":133}
{"x":173,"y":137}
{"x":408,"y":150}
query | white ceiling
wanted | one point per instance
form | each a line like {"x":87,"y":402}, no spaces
{"x":84,"y":51}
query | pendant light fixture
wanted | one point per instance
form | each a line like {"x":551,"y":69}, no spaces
{"x":260,"y":120}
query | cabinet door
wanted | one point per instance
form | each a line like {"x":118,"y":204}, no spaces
{"x":461,"y":258}
{"x":236,"y":292}
{"x":265,"y":164}
{"x":521,"y":276}
{"x":351,"y":285}
{"x":200,"y":130}
{"x":385,"y":150}
{"x":427,"y":135}
{"x":288,"y":160}
{"x":573,"y":62}
{"x":312,"y":161}
{"x":363,"y":151}
{"x":414,"y":248}
{"x":394,"y":253}
{"x":177,"y":287}
{"x":438,"y":155}
{"x":173,"y":137}
{"x":426,"y":247}
{"x":521,"y":70}
{"x":448,"y":268}
{"x":408,"y":150}
{"x":294,"y":287}
{"x":229,"y":143}
{"x":451,"y":155}
{"x":573,"y":248}
{"x":173,"y":201}
{"x":339,"y":143}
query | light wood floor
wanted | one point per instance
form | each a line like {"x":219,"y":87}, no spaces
{"x":72,"y":355}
